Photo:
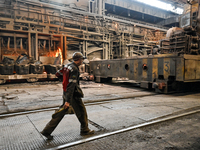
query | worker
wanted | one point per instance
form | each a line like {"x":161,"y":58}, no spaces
{"x":72,"y":96}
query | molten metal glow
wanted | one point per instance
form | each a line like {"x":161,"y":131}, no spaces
{"x":57,"y":54}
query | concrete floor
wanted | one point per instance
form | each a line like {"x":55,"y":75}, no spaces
{"x":26,"y":96}
{"x":136,"y":107}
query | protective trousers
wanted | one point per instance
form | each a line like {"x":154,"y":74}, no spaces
{"x":80,"y":111}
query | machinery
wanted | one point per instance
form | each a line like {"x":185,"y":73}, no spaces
{"x":176,"y":63}
{"x":42,"y":28}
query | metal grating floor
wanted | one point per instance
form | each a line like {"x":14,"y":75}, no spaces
{"x":19,"y":132}
{"x":179,"y":134}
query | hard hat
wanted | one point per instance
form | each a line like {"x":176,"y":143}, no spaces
{"x":78,"y":55}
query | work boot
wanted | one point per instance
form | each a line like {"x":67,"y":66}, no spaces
{"x":48,"y":136}
{"x":90,"y":132}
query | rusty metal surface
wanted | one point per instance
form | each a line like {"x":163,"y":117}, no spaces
{"x":166,"y":69}
{"x":125,"y":68}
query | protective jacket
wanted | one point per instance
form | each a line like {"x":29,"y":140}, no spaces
{"x":71,"y":87}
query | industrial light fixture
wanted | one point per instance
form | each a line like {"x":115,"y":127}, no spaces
{"x":162,"y":5}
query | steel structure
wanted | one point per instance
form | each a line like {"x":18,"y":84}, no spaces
{"x":39,"y":28}
{"x":177,"y":63}
{"x":36,"y":28}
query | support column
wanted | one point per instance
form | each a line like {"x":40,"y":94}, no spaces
{"x":100,"y":7}
{"x":21,"y":45}
{"x":103,"y":7}
{"x":54,"y":45}
{"x":96,"y":6}
{"x":109,"y":48}
{"x":33,"y":46}
{"x":44,"y":44}
{"x":61,"y":43}
{"x":89,"y":9}
{"x":106,"y":48}
{"x":86,"y":48}
{"x":83,"y":47}
{"x":123,"y":46}
{"x":15,"y":42}
{"x":120,"y":46}
{"x":129,"y":49}
{"x":8,"y":44}
{"x":50,"y":44}
{"x":106,"y":57}
{"x":103,"y":47}
{"x":36,"y":46}
{"x":29,"y":44}
{"x":84,"y":43}
{"x":65,"y":48}
{"x":61,"y":47}
{"x":103,"y":51}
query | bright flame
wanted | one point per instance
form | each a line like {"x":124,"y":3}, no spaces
{"x":57,"y":54}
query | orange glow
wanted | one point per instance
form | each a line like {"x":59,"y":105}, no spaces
{"x":86,"y":18}
{"x":56,"y":54}
{"x":116,"y":25}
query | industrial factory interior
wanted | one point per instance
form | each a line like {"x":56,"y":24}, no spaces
{"x":100,"y":74}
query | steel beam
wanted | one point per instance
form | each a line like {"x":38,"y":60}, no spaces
{"x":107,"y":49}
{"x":99,"y":16}
{"x":29,"y":44}
{"x":65,"y":48}
{"x":12,"y":34}
{"x":61,"y":44}
{"x":15,"y":43}
{"x":36,"y":46}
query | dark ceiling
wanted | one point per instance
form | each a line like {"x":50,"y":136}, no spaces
{"x":130,"y":14}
